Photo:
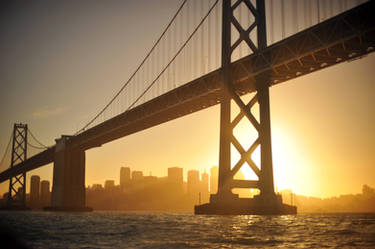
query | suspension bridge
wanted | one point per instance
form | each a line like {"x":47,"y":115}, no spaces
{"x":210,"y":53}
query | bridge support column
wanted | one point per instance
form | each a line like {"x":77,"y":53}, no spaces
{"x":225,"y":202}
{"x":266,"y":177}
{"x":68,"y":188}
{"x":17,"y":184}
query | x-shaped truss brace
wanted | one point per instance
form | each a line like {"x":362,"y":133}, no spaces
{"x":244,"y":112}
{"x":18,"y":155}
{"x":19,"y":147}
{"x":244,"y":34}
{"x":228,"y":86}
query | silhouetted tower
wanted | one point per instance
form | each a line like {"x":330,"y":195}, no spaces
{"x":214,"y":173}
{"x":193,"y":184}
{"x":45,"y":194}
{"x":175,"y":181}
{"x":34,"y":190}
{"x":137,"y":176}
{"x":263,"y":171}
{"x":124,"y":178}
{"x":17,"y":184}
{"x":204,"y":188}
{"x":109,"y":185}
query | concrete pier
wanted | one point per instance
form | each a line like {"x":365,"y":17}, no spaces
{"x":68,"y":189}
{"x":233,"y":205}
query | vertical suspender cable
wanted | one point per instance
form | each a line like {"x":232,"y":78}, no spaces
{"x":270,"y":24}
{"x":6,"y":150}
{"x":242,"y":24}
{"x":209,"y":44}
{"x":318,"y":7}
{"x":217,"y":40}
{"x":188,"y":53}
{"x":203,"y":52}
{"x":194,"y":43}
{"x":136,"y":71}
{"x":330,"y":9}
{"x":295,"y":16}
{"x":176,"y":55}
{"x":282,"y":20}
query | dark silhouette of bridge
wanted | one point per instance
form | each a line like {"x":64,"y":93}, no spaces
{"x":346,"y":36}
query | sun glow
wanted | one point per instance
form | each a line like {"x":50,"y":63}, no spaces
{"x":288,"y":160}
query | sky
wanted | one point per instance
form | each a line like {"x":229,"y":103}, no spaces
{"x":61,"y":63}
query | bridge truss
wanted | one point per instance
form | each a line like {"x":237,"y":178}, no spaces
{"x":17,"y":183}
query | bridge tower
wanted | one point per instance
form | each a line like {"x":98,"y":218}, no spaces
{"x":17,"y":184}
{"x":225,"y":202}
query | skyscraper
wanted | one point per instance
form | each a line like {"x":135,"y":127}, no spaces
{"x":45,"y":194}
{"x":137,"y":175}
{"x":204,"y":188}
{"x":214,"y":179}
{"x":109,"y":185}
{"x":34,"y":190}
{"x":124,"y":178}
{"x":175,"y":175}
{"x":193,"y":183}
{"x":175,"y":181}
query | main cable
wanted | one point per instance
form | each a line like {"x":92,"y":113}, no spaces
{"x":174,"y":57}
{"x":36,"y":147}
{"x":6,"y":150}
{"x":136,"y":71}
{"x":32,"y":135}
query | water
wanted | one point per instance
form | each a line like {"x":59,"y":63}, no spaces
{"x":170,"y":230}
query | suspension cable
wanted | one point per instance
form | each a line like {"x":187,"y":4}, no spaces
{"x":36,"y":147}
{"x":6,"y":150}
{"x":32,"y":135}
{"x":136,"y":71}
{"x":174,"y":57}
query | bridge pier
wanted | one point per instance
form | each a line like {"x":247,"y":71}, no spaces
{"x":68,"y":187}
{"x":225,"y":202}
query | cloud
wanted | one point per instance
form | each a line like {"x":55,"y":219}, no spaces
{"x":48,"y":112}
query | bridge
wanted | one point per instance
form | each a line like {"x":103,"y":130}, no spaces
{"x":349,"y":33}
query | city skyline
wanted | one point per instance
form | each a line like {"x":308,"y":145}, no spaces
{"x":112,"y":196}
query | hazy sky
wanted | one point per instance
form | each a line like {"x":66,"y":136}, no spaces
{"x":60,"y":63}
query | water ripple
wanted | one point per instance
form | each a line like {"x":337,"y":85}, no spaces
{"x":171,"y":230}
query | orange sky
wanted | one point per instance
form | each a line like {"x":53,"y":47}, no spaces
{"x":322,"y":124}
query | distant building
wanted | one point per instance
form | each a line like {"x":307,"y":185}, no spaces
{"x":124,"y":177}
{"x":214,"y":179}
{"x":137,"y":175}
{"x":34,"y":190}
{"x":45,"y":194}
{"x":175,"y":181}
{"x":204,"y":188}
{"x":150,"y":179}
{"x":109,"y":185}
{"x":175,"y":175}
{"x":19,"y":194}
{"x":97,"y":187}
{"x":193,"y":184}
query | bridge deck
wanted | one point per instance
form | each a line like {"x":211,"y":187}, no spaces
{"x":342,"y":38}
